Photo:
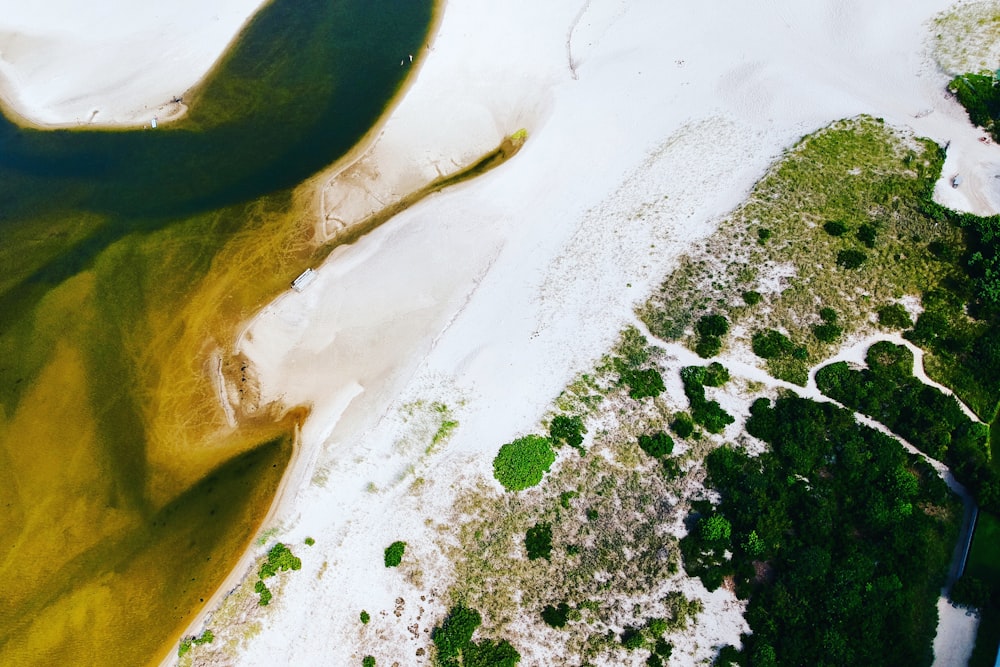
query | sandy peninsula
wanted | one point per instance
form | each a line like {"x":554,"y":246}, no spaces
{"x":646,"y":121}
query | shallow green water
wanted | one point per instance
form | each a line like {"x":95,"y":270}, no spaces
{"x":125,"y":257}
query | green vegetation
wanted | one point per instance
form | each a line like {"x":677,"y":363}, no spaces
{"x":656,"y":445}
{"x":835,"y":228}
{"x":455,"y":648}
{"x":644,"y":383}
{"x":710,"y":329}
{"x":207,"y":637}
{"x":980,"y":95}
{"x":279,"y":559}
{"x":522,"y":464}
{"x":708,"y":414}
{"x":894,"y":316}
{"x":682,"y":425}
{"x":394,"y":553}
{"x":538,"y":541}
{"x":835,"y":522}
{"x":368,"y":661}
{"x":567,"y":430}
{"x":556,"y":616}
{"x":264,"y":592}
{"x":931,"y":421}
{"x":829,"y":331}
{"x":365,"y":617}
{"x":309,"y":541}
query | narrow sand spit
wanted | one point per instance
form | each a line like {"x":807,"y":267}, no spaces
{"x":647,"y":121}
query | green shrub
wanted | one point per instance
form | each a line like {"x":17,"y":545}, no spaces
{"x":643,"y":383}
{"x":827,"y":333}
{"x":522,"y":464}
{"x":752,"y":297}
{"x":565,"y":497}
{"x":656,"y":445}
{"x":368,"y":661}
{"x":632,"y":639}
{"x":279,"y":558}
{"x":894,"y":316}
{"x":592,"y":514}
{"x":310,"y":541}
{"x":708,"y":346}
{"x":712,"y":325}
{"x":365,"y":617}
{"x":682,"y":425}
{"x":716,"y":375}
{"x":538,"y":541}
{"x":455,"y":648}
{"x":851,"y":259}
{"x":769,"y":344}
{"x":263,"y":591}
{"x":567,"y":430}
{"x":828,"y":315}
{"x":557,"y":616}
{"x":867,"y":234}
{"x":835,"y":228}
{"x":394,"y":553}
{"x":763,"y":235}
{"x":715,"y":528}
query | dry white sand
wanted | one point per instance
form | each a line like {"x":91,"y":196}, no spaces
{"x":647,"y":122}
{"x":109,"y":62}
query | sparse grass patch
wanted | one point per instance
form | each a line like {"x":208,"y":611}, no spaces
{"x":858,"y":175}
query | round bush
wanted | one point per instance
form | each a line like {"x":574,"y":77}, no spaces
{"x":712,"y":325}
{"x":656,"y":445}
{"x":522,"y":463}
{"x":752,"y":297}
{"x":835,"y":228}
{"x":851,"y":259}
{"x":394,"y":554}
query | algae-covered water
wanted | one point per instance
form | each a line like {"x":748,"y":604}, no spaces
{"x":127,"y":259}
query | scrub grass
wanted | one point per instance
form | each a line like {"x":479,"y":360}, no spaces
{"x":858,"y":173}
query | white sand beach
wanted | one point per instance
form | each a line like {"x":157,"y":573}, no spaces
{"x":112,"y":62}
{"x":647,"y":121}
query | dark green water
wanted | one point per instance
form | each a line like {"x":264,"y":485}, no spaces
{"x":121,"y":254}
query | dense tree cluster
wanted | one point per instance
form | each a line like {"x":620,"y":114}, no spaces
{"x":928,"y":419}
{"x":839,"y":539}
{"x":455,"y":648}
{"x":980,"y":96}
